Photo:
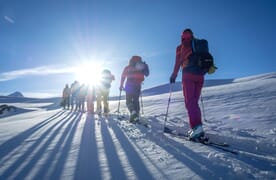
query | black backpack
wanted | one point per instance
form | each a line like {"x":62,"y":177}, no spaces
{"x":201,"y":56}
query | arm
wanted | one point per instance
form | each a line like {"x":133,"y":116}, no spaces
{"x":123,"y":77}
{"x":178,"y":62}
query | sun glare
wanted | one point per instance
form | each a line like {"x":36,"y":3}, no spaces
{"x":88,"y":73}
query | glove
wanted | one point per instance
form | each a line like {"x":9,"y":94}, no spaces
{"x":172,"y":79}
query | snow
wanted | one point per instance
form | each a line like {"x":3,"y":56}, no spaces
{"x":41,"y":141}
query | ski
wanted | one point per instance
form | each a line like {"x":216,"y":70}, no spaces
{"x":205,"y":141}
{"x":218,"y":146}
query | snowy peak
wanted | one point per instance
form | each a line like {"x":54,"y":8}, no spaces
{"x":16,"y":94}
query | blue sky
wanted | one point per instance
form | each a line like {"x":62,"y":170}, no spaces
{"x":41,"y":42}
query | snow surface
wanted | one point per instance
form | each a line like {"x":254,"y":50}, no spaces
{"x":42,"y":141}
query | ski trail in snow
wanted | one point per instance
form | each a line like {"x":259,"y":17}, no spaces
{"x":197,"y":156}
{"x":163,"y":159}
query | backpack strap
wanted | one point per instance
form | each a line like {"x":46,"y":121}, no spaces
{"x":193,"y":45}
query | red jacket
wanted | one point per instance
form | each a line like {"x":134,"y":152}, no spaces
{"x":183,"y":51}
{"x":132,"y":75}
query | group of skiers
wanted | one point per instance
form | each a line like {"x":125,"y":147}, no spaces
{"x":75,"y":96}
{"x":192,"y":57}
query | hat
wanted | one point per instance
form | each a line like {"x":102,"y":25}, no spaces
{"x":188,"y":30}
{"x":134,"y":59}
{"x":187,"y":34}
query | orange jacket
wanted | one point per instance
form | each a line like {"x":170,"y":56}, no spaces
{"x":183,"y":51}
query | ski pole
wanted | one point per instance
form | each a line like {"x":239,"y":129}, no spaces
{"x":169,"y":100}
{"x":203,"y":110}
{"x":118,"y":110}
{"x":142,"y":106}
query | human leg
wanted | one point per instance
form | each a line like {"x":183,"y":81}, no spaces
{"x":105,"y":100}
{"x":192,"y":85}
{"x":129,"y":102}
{"x":99,"y":101}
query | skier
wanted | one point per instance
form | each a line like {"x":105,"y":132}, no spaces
{"x":134,"y":74}
{"x":102,"y":92}
{"x":66,"y":97}
{"x":81,"y":96}
{"x":192,"y":83}
{"x":74,"y":91}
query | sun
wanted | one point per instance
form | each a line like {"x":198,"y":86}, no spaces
{"x":88,"y":73}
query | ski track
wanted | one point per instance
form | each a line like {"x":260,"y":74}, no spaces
{"x":45,"y":142}
{"x":67,"y":145}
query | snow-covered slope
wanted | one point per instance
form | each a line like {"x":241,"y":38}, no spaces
{"x":51,"y":143}
{"x":161,"y":89}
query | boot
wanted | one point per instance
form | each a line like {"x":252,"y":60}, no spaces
{"x":196,"y":133}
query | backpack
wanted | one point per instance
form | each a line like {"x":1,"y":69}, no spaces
{"x":139,"y":65}
{"x":202,"y":57}
{"x":107,"y":78}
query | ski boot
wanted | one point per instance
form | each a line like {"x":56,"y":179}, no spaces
{"x":134,"y":117}
{"x":196,"y":134}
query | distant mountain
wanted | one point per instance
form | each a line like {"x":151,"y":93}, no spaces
{"x":16,"y":94}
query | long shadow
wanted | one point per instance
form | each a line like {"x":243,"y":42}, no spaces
{"x":59,"y":124}
{"x":251,"y":160}
{"x":58,"y":165}
{"x":88,"y":165}
{"x":188,"y":157}
{"x":39,"y":154}
{"x":249,"y":147}
{"x":193,"y":160}
{"x":114,"y":162}
{"x":135,"y":160}
{"x":161,"y":173}
{"x":65,"y":151}
{"x":17,"y":140}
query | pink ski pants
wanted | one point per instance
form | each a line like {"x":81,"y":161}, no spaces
{"x":192,"y":85}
